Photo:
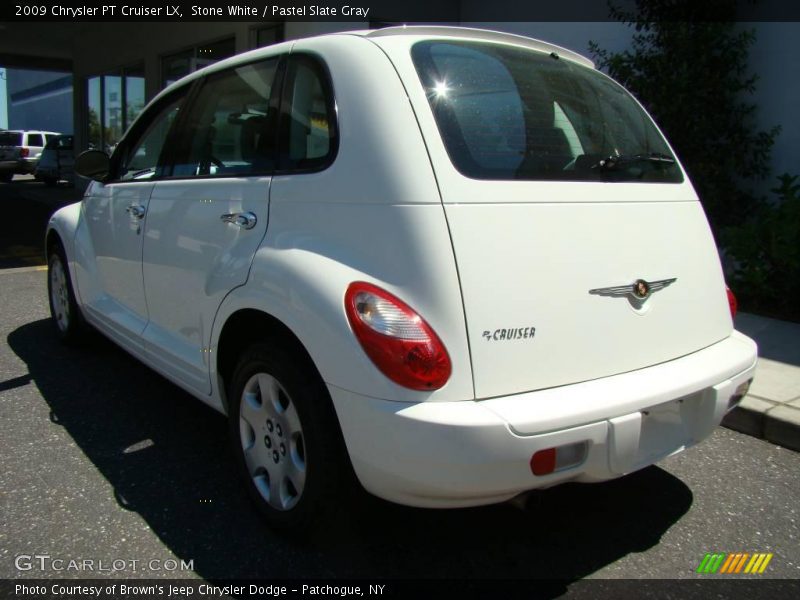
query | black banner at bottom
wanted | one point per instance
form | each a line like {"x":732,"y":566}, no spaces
{"x":295,"y":589}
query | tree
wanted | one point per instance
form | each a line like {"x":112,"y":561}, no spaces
{"x":691,"y":73}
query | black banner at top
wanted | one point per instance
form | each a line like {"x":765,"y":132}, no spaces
{"x":387,"y":11}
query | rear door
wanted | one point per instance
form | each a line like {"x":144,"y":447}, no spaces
{"x":572,"y":266}
{"x":208,"y":217}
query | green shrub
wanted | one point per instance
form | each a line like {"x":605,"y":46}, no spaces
{"x":762,"y":254}
{"x":691,"y":73}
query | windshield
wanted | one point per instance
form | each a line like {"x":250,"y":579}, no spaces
{"x":511,"y":113}
{"x":10,"y":138}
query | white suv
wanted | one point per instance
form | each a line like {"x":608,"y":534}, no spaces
{"x":458,"y":264}
{"x":20,"y":151}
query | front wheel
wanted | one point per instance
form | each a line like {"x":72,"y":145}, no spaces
{"x":63,"y":306}
{"x":286,"y":437}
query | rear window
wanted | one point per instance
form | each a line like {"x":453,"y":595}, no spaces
{"x":35,"y":139}
{"x":511,"y":113}
{"x":10,"y":138}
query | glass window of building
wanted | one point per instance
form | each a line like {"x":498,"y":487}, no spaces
{"x":134,"y":93}
{"x":114,"y":100}
{"x":95,"y":111}
{"x":112,"y":111}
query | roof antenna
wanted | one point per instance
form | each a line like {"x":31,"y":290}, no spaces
{"x":554,"y":55}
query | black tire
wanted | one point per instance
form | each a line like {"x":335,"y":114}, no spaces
{"x":6,"y":177}
{"x":64,"y":311}
{"x":277,"y":449}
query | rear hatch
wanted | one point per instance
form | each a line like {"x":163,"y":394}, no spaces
{"x":581,"y":248}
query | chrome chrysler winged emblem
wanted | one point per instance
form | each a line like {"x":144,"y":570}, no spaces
{"x":638,"y":290}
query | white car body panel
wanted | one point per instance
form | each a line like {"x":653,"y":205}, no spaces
{"x":635,"y":383}
{"x":109,"y":272}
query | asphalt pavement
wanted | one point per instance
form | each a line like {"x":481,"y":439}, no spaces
{"x":27,"y":205}
{"x":102,"y":459}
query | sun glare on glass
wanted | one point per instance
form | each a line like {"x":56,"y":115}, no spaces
{"x":441,"y":89}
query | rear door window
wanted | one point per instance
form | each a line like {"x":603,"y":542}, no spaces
{"x":506,"y":112}
{"x":35,"y":139}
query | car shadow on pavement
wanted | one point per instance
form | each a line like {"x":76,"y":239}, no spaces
{"x":167,"y":458}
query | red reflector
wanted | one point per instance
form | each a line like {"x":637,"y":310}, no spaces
{"x":732,"y":302}
{"x":543,"y":462}
{"x":23,"y":152}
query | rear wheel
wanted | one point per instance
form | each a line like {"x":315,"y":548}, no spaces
{"x":63,"y":306}
{"x":286,"y":437}
{"x":6,"y":177}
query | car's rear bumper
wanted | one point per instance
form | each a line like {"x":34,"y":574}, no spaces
{"x":21,"y":166}
{"x":448,"y":454}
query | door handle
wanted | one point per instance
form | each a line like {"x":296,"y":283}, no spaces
{"x":136,"y":210}
{"x":245,"y":220}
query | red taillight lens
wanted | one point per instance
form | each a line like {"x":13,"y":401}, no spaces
{"x":732,"y":302}
{"x":23,"y":152}
{"x":400,"y":343}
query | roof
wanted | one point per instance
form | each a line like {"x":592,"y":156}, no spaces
{"x":478,"y":34}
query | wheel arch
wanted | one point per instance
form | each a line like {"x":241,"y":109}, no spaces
{"x":245,"y":327}
{"x":61,"y":229}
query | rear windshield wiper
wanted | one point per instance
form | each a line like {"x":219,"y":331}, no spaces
{"x":623,"y":160}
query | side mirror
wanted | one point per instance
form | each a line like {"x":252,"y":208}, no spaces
{"x":93,"y":164}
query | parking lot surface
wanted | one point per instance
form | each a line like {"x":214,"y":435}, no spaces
{"x":102,"y":459}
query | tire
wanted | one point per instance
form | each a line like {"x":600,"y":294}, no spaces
{"x":6,"y":177}
{"x":286,"y":438}
{"x":66,"y":315}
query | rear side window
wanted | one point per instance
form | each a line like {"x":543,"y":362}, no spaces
{"x":231,"y":127}
{"x":511,"y":113}
{"x":10,"y":138}
{"x":308,"y":123}
{"x":35,"y":139}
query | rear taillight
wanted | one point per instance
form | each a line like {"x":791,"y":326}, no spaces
{"x":732,"y":302}
{"x":23,"y":152}
{"x":400,"y":343}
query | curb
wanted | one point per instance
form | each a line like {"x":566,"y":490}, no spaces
{"x":770,"y":421}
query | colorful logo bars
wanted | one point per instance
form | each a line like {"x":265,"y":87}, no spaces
{"x":734,"y":562}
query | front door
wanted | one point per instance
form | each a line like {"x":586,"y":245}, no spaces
{"x":109,"y":250}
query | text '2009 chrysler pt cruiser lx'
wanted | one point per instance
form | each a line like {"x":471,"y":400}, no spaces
{"x":459,"y":264}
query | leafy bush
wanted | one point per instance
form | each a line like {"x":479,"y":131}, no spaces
{"x":691,"y":74}
{"x":762,"y":256}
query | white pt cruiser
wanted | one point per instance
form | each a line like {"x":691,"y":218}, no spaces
{"x":458,"y":264}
